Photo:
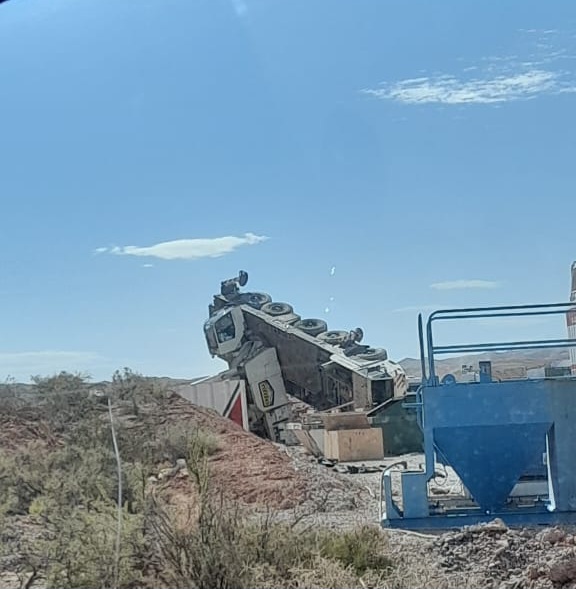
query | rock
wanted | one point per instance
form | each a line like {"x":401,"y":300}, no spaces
{"x":512,"y":583}
{"x":534,"y":572}
{"x":496,"y":526}
{"x":439,"y":491}
{"x":553,"y":536}
{"x":503,"y":545}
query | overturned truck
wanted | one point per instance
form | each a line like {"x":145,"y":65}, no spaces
{"x":277,"y":356}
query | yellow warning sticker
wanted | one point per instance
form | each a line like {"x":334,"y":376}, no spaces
{"x":267,"y":393}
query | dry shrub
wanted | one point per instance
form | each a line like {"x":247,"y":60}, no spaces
{"x":222,"y":547}
{"x":324,"y":573}
{"x":203,"y":554}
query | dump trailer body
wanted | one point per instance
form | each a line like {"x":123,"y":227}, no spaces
{"x":320,"y":373}
{"x":225,"y":396}
{"x":300,"y":356}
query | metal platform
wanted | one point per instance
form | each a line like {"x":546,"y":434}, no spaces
{"x":492,"y":434}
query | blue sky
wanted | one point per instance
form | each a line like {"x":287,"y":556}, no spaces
{"x":361,"y":160}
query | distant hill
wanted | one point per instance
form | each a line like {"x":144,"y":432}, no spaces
{"x":504,"y":364}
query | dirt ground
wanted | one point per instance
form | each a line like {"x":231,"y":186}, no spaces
{"x":489,"y":556}
{"x":286,"y":480}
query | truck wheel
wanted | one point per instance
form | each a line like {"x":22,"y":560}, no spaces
{"x":242,"y":278}
{"x":334,"y":338}
{"x":312,"y":326}
{"x":255,"y":299}
{"x":275,"y":309}
{"x":373,"y":354}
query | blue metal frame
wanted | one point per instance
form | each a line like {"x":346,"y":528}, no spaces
{"x":511,"y":518}
{"x":487,"y":312}
{"x":476,"y":428}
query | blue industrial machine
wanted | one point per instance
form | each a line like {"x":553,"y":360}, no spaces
{"x":512,"y":443}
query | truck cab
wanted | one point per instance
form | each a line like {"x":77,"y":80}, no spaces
{"x":224,"y":331}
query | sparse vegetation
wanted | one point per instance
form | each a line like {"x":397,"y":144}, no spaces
{"x":226,"y":549}
{"x":58,"y":508}
{"x":191,"y":515}
{"x":357,"y":550}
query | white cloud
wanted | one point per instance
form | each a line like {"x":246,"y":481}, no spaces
{"x":188,"y":249}
{"x":540,"y":67}
{"x":462,"y":284}
{"x":451,"y":90}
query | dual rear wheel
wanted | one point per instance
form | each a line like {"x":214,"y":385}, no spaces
{"x":314,"y":327}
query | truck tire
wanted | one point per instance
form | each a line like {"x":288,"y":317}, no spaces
{"x":373,"y":354}
{"x":242,"y":278}
{"x":334,"y":337}
{"x":275,"y":309}
{"x":255,"y":299}
{"x":312,"y":327}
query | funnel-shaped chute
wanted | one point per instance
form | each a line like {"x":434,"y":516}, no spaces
{"x":489,"y":459}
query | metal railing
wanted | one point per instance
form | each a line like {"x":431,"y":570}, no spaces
{"x":429,"y":375}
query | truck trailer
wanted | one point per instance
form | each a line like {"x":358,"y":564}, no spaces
{"x":280,"y":357}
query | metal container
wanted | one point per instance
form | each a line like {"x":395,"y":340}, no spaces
{"x":401,"y":433}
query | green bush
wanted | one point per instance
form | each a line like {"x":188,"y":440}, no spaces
{"x":185,"y":441}
{"x":359,"y":549}
{"x":81,"y":552}
{"x":65,"y":399}
{"x":11,"y":402}
{"x":42,"y":482}
{"x":22,"y":478}
{"x":132,"y":387}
